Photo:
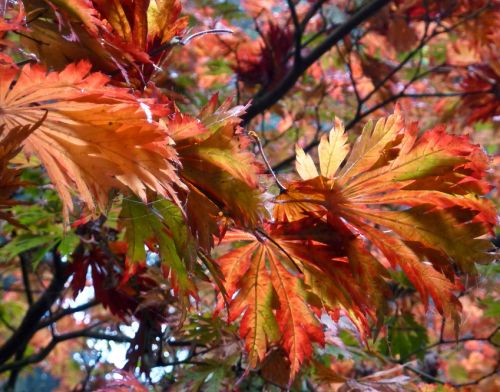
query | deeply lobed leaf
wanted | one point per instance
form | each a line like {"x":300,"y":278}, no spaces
{"x":271,"y":299}
{"x":217,"y":168}
{"x":161,"y":225}
{"x":395,"y":200}
{"x":95,"y":138}
{"x":121,"y":38}
{"x":425,"y":190}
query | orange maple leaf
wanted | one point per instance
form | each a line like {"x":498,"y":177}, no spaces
{"x":412,"y":202}
{"x":221,"y":174}
{"x":95,"y":138}
{"x":424,"y":191}
{"x":263,"y":288}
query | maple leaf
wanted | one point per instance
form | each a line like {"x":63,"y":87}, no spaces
{"x":425,"y":191}
{"x":272,"y":300}
{"x":81,"y":10}
{"x":321,"y":251}
{"x":101,"y":268}
{"x":265,"y":62}
{"x":145,"y":24}
{"x":161,"y":223}
{"x":164,"y":22}
{"x":220,"y":173}
{"x":261,"y":284}
{"x":95,"y":138}
{"x":10,"y":145}
{"x":10,"y":20}
{"x":14,"y":23}
{"x":245,"y":270}
{"x":482,"y":107}
{"x":116,"y":36}
{"x":127,"y":19}
{"x":122,"y":288}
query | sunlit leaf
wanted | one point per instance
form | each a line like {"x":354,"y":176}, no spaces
{"x":95,"y":138}
{"x":425,"y":191}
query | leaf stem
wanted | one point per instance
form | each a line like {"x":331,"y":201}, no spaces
{"x":184,"y":41}
{"x":254,"y":135}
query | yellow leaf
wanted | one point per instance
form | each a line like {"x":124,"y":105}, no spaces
{"x":305,"y":165}
{"x":332,"y":151}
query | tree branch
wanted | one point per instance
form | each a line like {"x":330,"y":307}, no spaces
{"x":28,"y":326}
{"x":311,"y":12}
{"x":266,"y":161}
{"x":161,"y":362}
{"x":43,"y":353}
{"x":297,"y":34}
{"x":266,"y":100}
{"x":435,"y":380}
{"x":402,"y":93}
{"x":66,"y":312}
{"x":26,"y":279}
{"x":441,"y":341}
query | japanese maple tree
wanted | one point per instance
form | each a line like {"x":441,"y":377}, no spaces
{"x":256,"y":195}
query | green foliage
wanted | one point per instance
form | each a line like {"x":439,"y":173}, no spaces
{"x":405,"y":337}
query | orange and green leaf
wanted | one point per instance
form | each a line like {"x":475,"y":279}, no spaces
{"x":272,"y":300}
{"x":160,"y":225}
{"x":220,"y":172}
{"x":424,"y":190}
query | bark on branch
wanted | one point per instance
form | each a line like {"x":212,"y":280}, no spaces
{"x":29,"y":325}
{"x":267,"y":99}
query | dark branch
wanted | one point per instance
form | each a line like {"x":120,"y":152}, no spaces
{"x":84,"y":333}
{"x":28,"y":326}
{"x":310,"y":13}
{"x":297,"y":34}
{"x":25,"y":262}
{"x":161,"y":362}
{"x":435,"y":380}
{"x":490,"y":339}
{"x":265,"y":101}
{"x":66,"y":312}
{"x":402,"y":93}
{"x":43,"y":353}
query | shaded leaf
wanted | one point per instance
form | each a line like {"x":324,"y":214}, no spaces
{"x":160,"y":225}
{"x":273,"y":301}
{"x":10,"y":145}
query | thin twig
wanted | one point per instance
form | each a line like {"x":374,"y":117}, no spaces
{"x":267,"y":236}
{"x":297,"y":34}
{"x":311,"y":12}
{"x":264,"y":101}
{"x":184,"y":41}
{"x":188,"y":39}
{"x":435,"y":380}
{"x":254,"y":135}
{"x":25,"y":262}
{"x":66,"y":312}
